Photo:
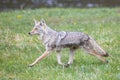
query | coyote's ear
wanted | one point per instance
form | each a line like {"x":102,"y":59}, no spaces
{"x":35,"y":21}
{"x":42,"y":21}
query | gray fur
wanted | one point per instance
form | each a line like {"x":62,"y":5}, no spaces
{"x":54,"y":40}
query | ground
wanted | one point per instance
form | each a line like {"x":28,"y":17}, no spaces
{"x":18,"y":49}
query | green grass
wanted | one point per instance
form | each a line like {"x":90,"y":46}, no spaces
{"x":18,"y":49}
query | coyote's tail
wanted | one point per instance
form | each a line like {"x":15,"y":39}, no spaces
{"x":94,"y":46}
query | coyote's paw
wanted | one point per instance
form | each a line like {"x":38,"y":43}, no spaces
{"x":106,"y":61}
{"x":30,"y":65}
{"x":66,"y":65}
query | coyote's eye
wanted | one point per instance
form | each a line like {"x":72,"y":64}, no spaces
{"x":36,"y":28}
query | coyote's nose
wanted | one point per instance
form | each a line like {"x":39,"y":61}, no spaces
{"x":29,"y":33}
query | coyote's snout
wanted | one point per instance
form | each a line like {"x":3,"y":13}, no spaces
{"x":54,"y":40}
{"x":39,"y":28}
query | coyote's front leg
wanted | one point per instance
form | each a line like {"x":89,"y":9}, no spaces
{"x":40,"y":58}
{"x":59,"y":57}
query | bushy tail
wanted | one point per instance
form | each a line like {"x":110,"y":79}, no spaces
{"x":94,"y":46}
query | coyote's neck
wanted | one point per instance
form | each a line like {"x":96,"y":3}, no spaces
{"x":48,"y":35}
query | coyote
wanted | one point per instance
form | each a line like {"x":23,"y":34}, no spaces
{"x":56,"y":41}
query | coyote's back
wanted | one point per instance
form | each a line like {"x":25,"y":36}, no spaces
{"x":72,"y":39}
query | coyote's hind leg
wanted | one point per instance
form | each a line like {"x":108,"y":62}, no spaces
{"x":71,"y":57}
{"x":98,"y":56}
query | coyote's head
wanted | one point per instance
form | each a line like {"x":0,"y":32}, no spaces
{"x":39,"y":27}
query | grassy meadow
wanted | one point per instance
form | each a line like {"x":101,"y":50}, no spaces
{"x":18,"y":49}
